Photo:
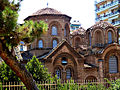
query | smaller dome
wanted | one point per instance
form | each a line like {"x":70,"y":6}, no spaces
{"x":102,"y":24}
{"x":78,"y":31}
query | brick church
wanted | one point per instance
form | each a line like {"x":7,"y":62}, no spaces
{"x":81,"y":55}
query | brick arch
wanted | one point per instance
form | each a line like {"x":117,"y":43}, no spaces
{"x":111,"y":50}
{"x":67,"y":55}
{"x":72,"y":63}
{"x":38,"y":42}
{"x":90,"y":78}
{"x":72,"y":70}
{"x":58,"y":25}
{"x":77,"y":41}
{"x":95,"y":38}
{"x":96,"y":28}
{"x":114,"y":34}
{"x":54,"y":38}
{"x":57,"y":67}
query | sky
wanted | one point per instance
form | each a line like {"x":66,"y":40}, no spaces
{"x":82,"y":10}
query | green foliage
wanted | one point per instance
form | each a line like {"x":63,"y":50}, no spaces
{"x":38,"y":71}
{"x":11,"y":33}
{"x":31,"y":30}
{"x":6,"y":74}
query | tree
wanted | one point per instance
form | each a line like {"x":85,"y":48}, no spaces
{"x":6,"y":74}
{"x":11,"y":34}
{"x":38,"y":71}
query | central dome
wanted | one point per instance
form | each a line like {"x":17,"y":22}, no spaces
{"x":47,"y":11}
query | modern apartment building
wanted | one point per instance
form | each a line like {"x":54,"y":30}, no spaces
{"x":108,"y":10}
{"x":75,"y":25}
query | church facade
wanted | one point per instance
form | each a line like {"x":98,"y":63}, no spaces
{"x":81,"y":55}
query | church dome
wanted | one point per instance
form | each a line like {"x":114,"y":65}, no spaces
{"x":47,"y":12}
{"x":79,"y":31}
{"x":101,"y":24}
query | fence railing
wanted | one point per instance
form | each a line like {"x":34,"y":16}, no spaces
{"x":53,"y":85}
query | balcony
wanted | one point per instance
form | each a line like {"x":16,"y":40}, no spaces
{"x":116,"y":23}
{"x":107,"y":16}
{"x":96,"y":2}
{"x":107,"y":6}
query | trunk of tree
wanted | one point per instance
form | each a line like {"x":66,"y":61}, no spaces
{"x":17,"y":67}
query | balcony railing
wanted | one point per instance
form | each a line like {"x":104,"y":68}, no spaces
{"x":107,"y":16}
{"x":116,"y":22}
{"x":107,"y":6}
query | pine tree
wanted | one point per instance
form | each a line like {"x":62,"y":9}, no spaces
{"x":12,"y":33}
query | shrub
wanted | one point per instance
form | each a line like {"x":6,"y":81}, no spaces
{"x":38,"y":71}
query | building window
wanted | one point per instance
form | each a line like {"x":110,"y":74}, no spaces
{"x":64,"y":61}
{"x":40,"y":44}
{"x":98,"y":37}
{"x":65,"y":32}
{"x":77,"y":42}
{"x":113,"y":66}
{"x":58,"y":73}
{"x":68,"y":73}
{"x":89,"y":39}
{"x":54,"y":43}
{"x":54,"y":30}
{"x":109,"y":37}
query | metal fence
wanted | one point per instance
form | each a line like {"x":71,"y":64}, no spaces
{"x":52,"y":85}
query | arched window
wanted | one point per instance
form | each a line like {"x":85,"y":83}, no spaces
{"x":91,"y":79}
{"x":113,"y":66}
{"x":68,"y":73}
{"x":54,"y":43}
{"x":77,"y":42}
{"x":65,"y":32}
{"x":40,"y":44}
{"x":89,"y":39}
{"x":64,"y":61}
{"x":58,"y":73}
{"x":109,"y":37}
{"x":54,"y":30}
{"x":98,"y":37}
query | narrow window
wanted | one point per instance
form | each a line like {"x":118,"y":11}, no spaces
{"x":113,"y":66}
{"x":54,"y":43}
{"x":77,"y":42}
{"x":54,"y":30}
{"x":65,"y":32}
{"x":98,"y":37}
{"x":89,"y":39}
{"x":40,"y":44}
{"x":58,"y":73}
{"x":68,"y":74}
{"x":109,"y":37}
